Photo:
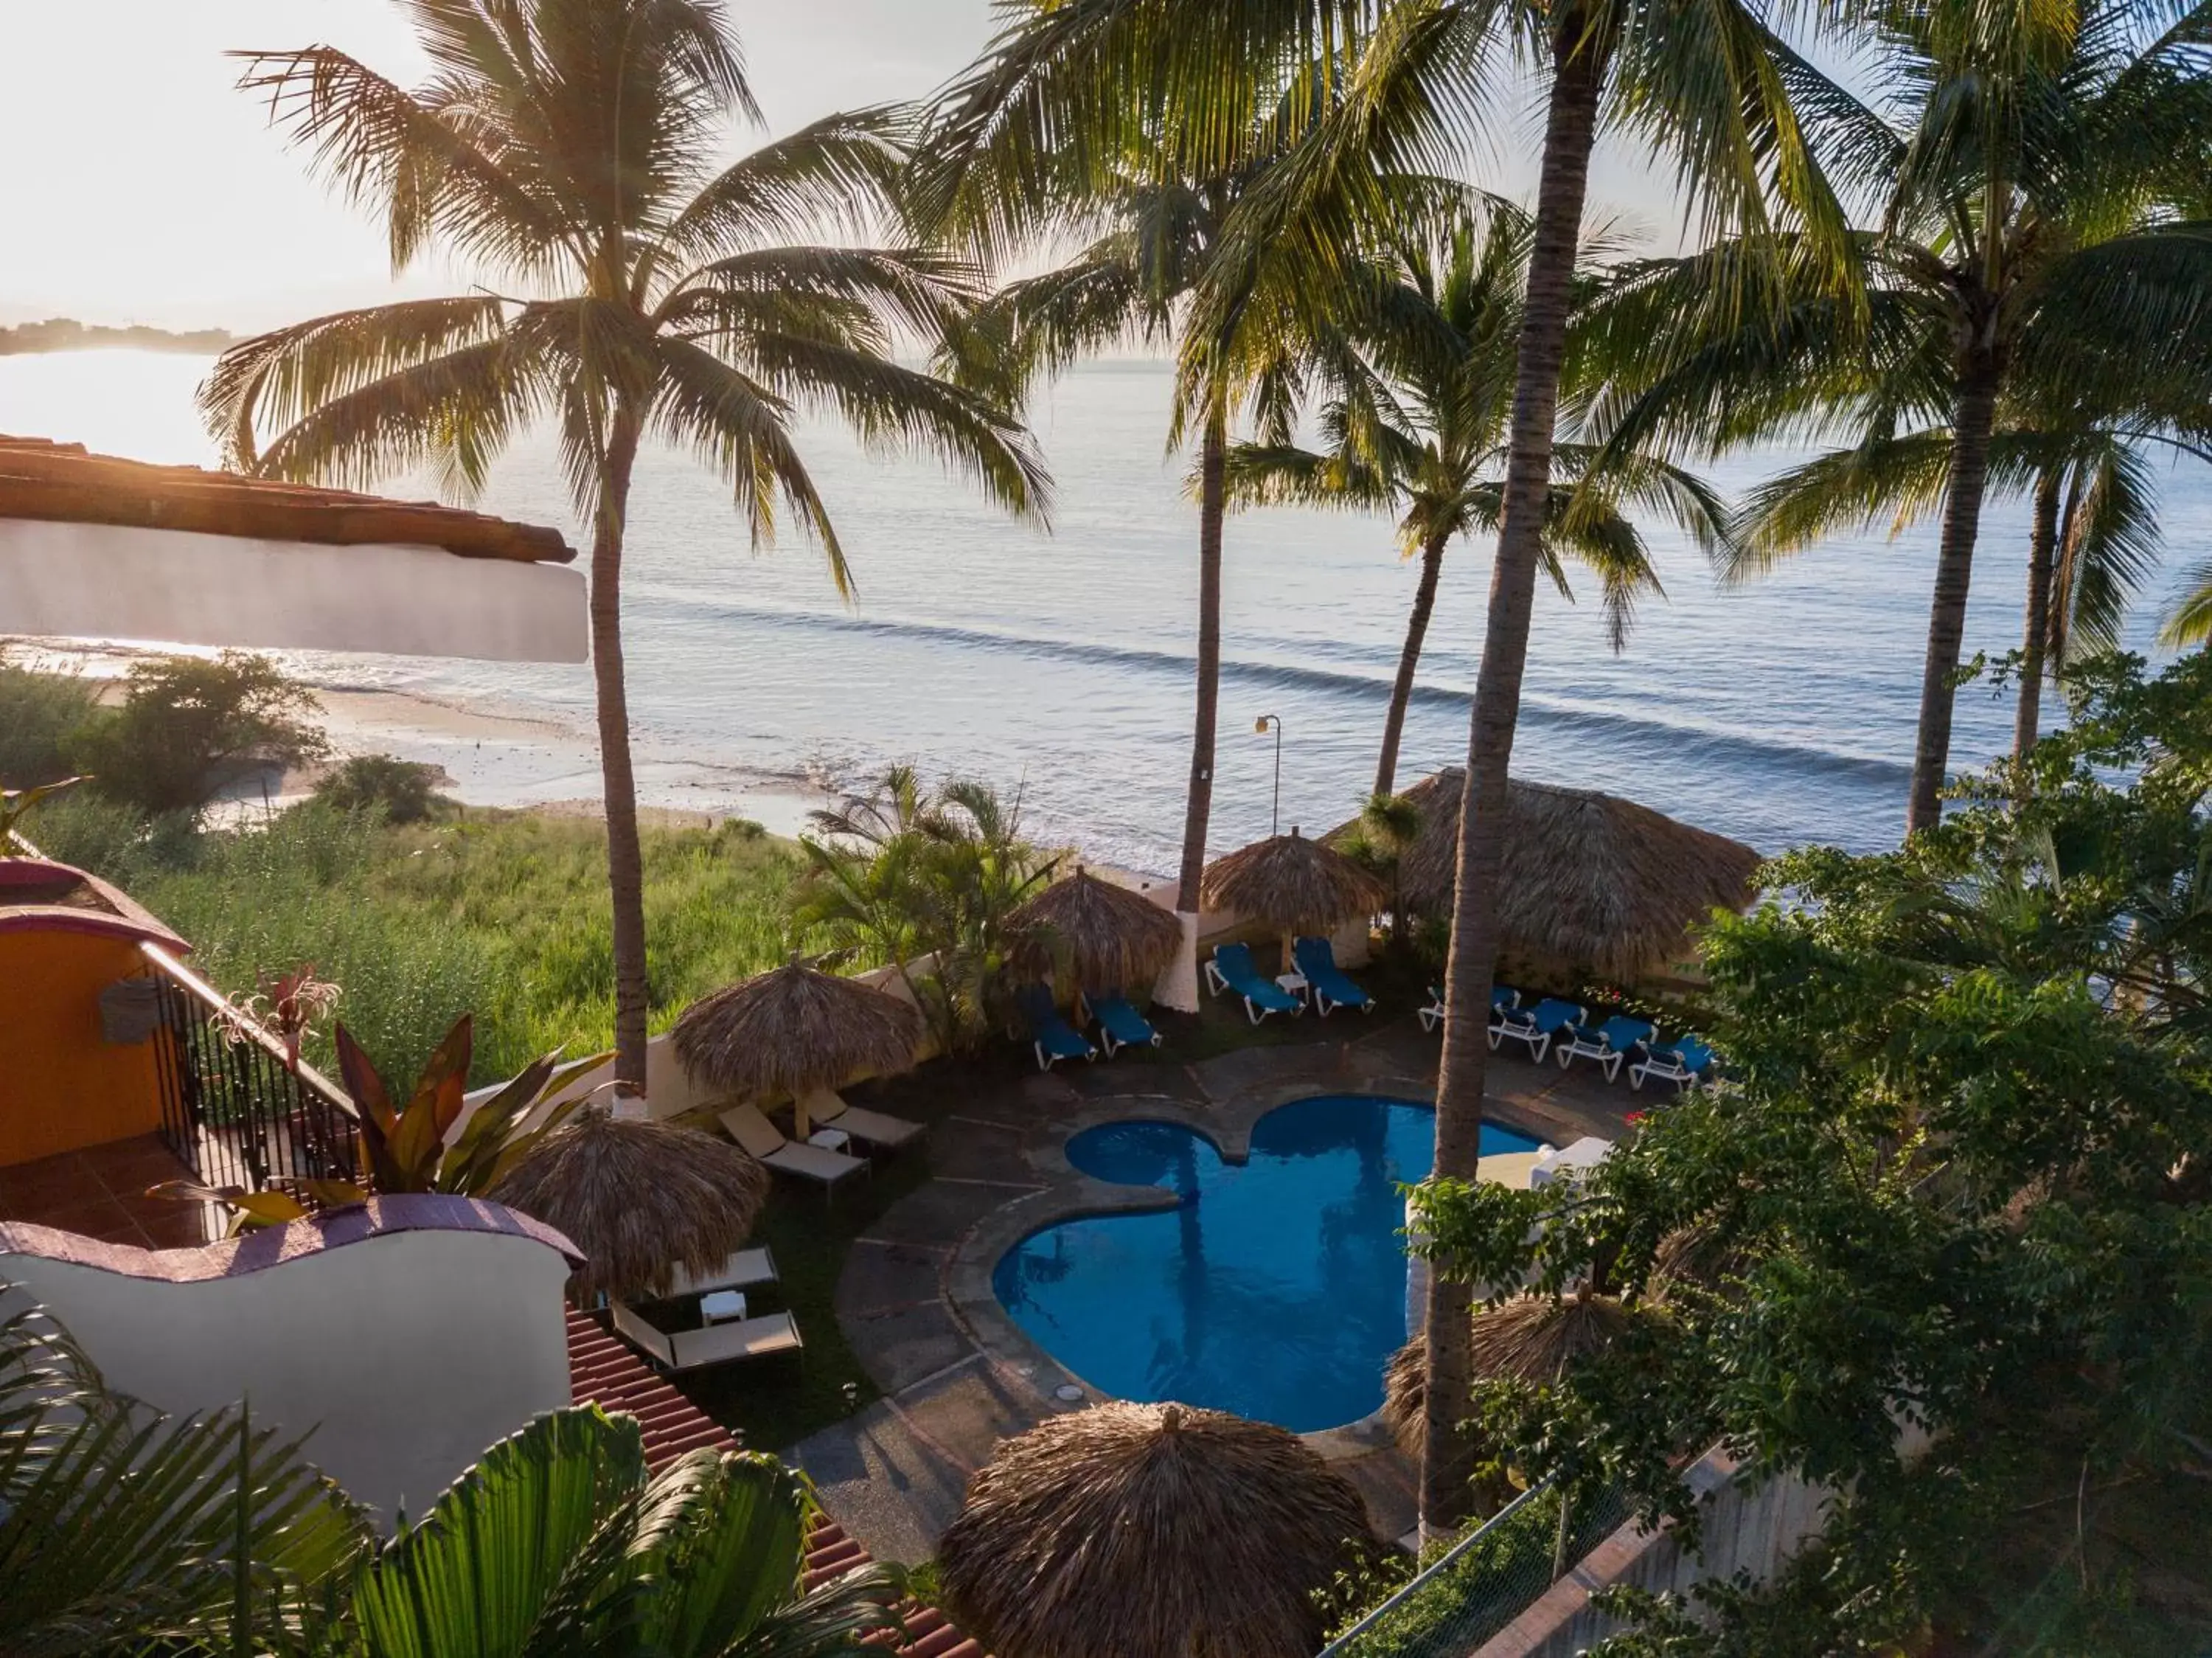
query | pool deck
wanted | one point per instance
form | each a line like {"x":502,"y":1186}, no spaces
{"x":958,"y":1375}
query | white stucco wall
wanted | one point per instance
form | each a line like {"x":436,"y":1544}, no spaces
{"x":109,"y":582}
{"x":405,"y":1353}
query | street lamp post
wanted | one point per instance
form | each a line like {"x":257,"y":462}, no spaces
{"x":1260,"y":725}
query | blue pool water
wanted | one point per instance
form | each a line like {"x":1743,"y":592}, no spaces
{"x":1275,"y":1290}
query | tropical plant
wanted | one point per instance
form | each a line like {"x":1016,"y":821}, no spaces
{"x":187,"y":725}
{"x":567,"y":150}
{"x":2022,"y":171}
{"x":1419,"y":366}
{"x":909,"y":874}
{"x":422,"y":1144}
{"x":1955,"y":1192}
{"x":40,"y":714}
{"x":406,"y":791}
{"x":560,"y":1540}
{"x":121,"y":1527}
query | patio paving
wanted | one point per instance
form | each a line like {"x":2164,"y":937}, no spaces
{"x":101,"y":1192}
{"x":914,"y":1299}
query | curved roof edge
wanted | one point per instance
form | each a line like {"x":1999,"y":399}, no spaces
{"x":125,"y":917}
{"x":255,"y":1252}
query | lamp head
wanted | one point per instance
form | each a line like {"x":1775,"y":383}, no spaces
{"x":1260,"y":725}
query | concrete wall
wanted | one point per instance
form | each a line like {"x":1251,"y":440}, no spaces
{"x":407,"y":1335}
{"x":1753,"y":1530}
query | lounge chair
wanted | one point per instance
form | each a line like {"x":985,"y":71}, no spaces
{"x":1685,"y":1060}
{"x":1535,"y":1026}
{"x":1316,"y":960}
{"x":718,"y":1343}
{"x":1609,"y":1043}
{"x":826,"y":1108}
{"x":1051,"y":1037}
{"x":746,"y":1267}
{"x":1231,"y":969}
{"x":1501,"y":996}
{"x":745,"y":1124}
{"x":1120,"y":1024}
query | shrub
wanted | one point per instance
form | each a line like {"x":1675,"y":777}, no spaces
{"x":404,"y":790}
{"x":111,"y":840}
{"x":186,"y":726}
{"x":40,"y":717}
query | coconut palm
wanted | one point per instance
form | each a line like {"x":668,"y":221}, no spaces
{"x":1420,"y":385}
{"x":2093,"y":536}
{"x":1376,"y":94}
{"x":2022,"y":166}
{"x":567,"y":150}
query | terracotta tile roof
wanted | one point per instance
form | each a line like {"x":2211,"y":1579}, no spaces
{"x":604,"y":1371}
{"x":38,"y":894}
{"x":62,"y":483}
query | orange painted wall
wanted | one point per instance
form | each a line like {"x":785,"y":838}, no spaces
{"x":63,"y":1087}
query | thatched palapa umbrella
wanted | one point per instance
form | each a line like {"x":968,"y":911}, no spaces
{"x":640,"y":1199}
{"x":1293,"y":885}
{"x":1152,"y":1529}
{"x":1108,"y":937}
{"x":1596,"y":883}
{"x":795,"y":1029}
{"x":1531,"y":1338}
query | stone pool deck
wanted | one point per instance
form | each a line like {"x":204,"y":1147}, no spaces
{"x":915,"y":1300}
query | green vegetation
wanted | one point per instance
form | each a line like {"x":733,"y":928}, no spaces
{"x":68,"y":334}
{"x":1957,"y":1184}
{"x":123,"y":1530}
{"x":404,"y":791}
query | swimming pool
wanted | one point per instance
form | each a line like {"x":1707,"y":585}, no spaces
{"x":1275,"y":1290}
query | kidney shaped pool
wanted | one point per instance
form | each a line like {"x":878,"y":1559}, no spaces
{"x":1275,"y":1290}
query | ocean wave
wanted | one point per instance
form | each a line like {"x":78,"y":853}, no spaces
{"x":1687,"y":743}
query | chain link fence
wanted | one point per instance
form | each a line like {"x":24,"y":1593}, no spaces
{"x":1488,"y":1578}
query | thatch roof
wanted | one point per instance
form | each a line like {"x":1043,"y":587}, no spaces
{"x":1152,"y":1529}
{"x":1291,"y":884}
{"x":639,"y":1198}
{"x":795,"y":1029}
{"x":1530,"y":1339}
{"x":1599,"y":881}
{"x":1108,"y":937}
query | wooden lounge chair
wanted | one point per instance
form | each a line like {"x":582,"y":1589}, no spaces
{"x":761,"y":1137}
{"x":747,"y":1267}
{"x":718,"y":1343}
{"x":827,"y":1107}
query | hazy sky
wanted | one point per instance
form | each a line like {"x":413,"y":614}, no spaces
{"x":138,"y":185}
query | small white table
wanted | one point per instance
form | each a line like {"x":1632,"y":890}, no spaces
{"x":829,"y":1139}
{"x":1294,"y":983}
{"x":723,"y":1307}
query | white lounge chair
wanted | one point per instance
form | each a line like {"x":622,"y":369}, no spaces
{"x":718,"y":1343}
{"x":747,"y":1267}
{"x":827,"y":1107}
{"x":761,"y":1137}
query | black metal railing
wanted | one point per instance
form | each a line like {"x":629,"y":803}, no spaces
{"x":233,"y":1106}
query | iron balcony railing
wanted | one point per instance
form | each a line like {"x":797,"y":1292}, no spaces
{"x":235,"y":1107}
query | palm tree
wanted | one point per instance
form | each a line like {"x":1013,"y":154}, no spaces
{"x":1374,"y":94}
{"x":1420,"y":386}
{"x":632,"y":289}
{"x":2020,"y":166}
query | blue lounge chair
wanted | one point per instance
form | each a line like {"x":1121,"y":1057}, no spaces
{"x":1315,"y":961}
{"x":1535,"y":1026}
{"x":1501,"y":996}
{"x":1052,"y":1037}
{"x":1120,"y":1025}
{"x":1231,"y":969}
{"x":1609,"y":1043}
{"x":1685,"y":1060}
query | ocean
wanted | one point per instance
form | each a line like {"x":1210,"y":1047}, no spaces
{"x":1060,"y":664}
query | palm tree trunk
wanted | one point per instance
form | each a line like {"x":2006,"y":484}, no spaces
{"x":1577,"y":77}
{"x":1212,"y":463}
{"x":1409,"y":660}
{"x":625,"y":864}
{"x":2042,"y":547}
{"x":1973,"y":417}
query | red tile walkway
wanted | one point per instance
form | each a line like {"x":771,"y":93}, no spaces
{"x":604,"y":1371}
{"x":101,"y":1192}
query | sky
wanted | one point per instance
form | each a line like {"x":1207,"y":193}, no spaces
{"x":139,"y":185}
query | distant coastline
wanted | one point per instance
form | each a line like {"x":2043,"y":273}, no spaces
{"x":68,"y":334}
